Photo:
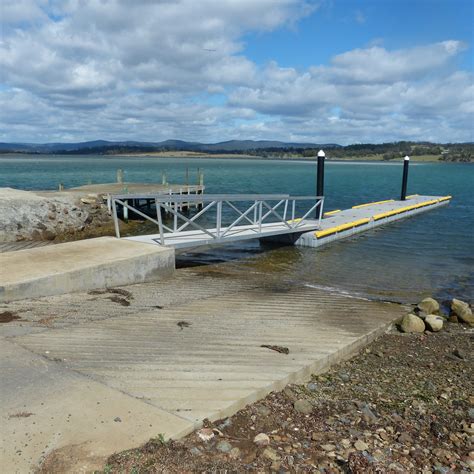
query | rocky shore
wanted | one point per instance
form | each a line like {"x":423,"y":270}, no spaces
{"x":48,"y":216}
{"x":404,"y":404}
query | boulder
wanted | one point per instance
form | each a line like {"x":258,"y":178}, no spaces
{"x":434,"y":322}
{"x":462,"y":311}
{"x":412,"y":323}
{"x":428,"y":306}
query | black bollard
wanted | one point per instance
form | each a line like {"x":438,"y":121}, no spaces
{"x":320,"y":180}
{"x":406,"y":162}
{"x":320,"y":177}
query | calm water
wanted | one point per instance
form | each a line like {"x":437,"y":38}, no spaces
{"x":432,"y":253}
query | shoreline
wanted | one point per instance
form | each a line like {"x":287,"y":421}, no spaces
{"x":229,"y":156}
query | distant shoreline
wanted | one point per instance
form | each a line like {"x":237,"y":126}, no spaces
{"x":236,"y":156}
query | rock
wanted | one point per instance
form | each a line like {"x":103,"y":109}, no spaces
{"x":89,"y":200}
{"x":360,"y":445}
{"x":471,"y":416}
{"x":224,"y":447}
{"x":263,"y":410}
{"x":205,"y":434}
{"x":195,"y":451}
{"x":262,"y":439}
{"x":328,"y":447}
{"x":468,"y":428}
{"x":345,"y":443}
{"x":428,"y":305}
{"x":453,"y":319}
{"x":405,"y":438}
{"x":271,"y":454}
{"x":344,"y":376}
{"x":225,"y":424}
{"x":48,"y":235}
{"x":368,"y":415}
{"x":312,"y":387}
{"x":462,"y":311}
{"x":411,"y":323}
{"x":460,"y":354}
{"x":303,"y":406}
{"x":434,"y":322}
{"x":117,"y":419}
{"x":235,"y":453}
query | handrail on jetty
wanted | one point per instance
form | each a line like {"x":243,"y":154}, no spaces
{"x":223,"y":216}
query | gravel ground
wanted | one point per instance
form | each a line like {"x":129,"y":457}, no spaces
{"x":405,"y":404}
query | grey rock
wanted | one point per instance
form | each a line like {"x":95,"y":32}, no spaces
{"x":434,"y":322}
{"x":345,"y":377}
{"x":303,"y":406}
{"x":224,"y":447}
{"x":462,"y":310}
{"x":195,"y":451}
{"x":428,"y":305}
{"x":117,"y":419}
{"x":312,"y":387}
{"x":412,"y":324}
{"x":368,"y":415}
{"x":460,"y":354}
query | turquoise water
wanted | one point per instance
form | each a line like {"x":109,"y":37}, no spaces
{"x":432,"y":253}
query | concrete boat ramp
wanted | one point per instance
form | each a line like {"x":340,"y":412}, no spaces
{"x":87,"y":374}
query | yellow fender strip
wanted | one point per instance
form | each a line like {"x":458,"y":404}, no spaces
{"x":330,"y":213}
{"x":371,"y":203}
{"x":445,"y":198}
{"x":340,"y":228}
{"x":294,"y":221}
{"x":377,"y":217}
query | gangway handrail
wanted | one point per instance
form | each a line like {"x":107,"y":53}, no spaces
{"x":261,"y":208}
{"x":211,"y":197}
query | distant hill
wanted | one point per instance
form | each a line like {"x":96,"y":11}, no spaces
{"x":422,"y":151}
{"x":228,"y":146}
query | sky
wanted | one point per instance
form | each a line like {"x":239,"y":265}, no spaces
{"x":320,"y":71}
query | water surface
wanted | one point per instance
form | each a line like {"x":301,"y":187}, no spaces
{"x":432,"y":253}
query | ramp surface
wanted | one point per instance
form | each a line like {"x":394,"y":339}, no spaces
{"x":184,"y":350}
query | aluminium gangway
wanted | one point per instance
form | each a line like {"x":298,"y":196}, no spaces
{"x":222,"y":218}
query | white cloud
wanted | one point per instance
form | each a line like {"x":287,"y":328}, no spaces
{"x":151,"y":70}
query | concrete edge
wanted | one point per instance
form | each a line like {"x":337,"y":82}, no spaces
{"x":124,"y":271}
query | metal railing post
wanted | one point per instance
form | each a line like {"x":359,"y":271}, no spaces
{"x":116,"y":222}
{"x":219,"y":219}
{"x":160,"y":221}
{"x":175,"y":217}
{"x":260,"y":209}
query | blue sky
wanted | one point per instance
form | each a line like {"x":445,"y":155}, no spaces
{"x":339,"y":26}
{"x":342,"y":71}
